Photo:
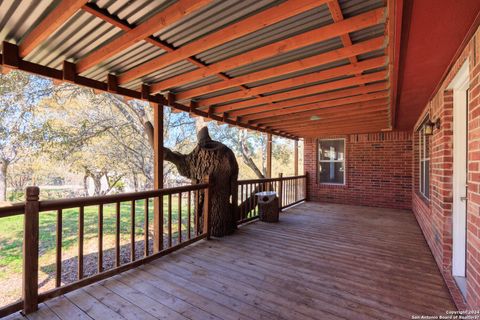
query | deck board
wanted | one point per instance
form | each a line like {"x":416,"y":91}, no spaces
{"x":321,"y":261}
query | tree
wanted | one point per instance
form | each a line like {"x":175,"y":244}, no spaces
{"x":20,"y":130}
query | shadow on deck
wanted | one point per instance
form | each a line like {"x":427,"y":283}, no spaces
{"x":322,"y":261}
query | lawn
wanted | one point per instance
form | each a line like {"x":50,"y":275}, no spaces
{"x":11,"y":238}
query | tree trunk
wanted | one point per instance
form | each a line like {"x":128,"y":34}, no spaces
{"x":3,"y":180}
{"x":213,"y":159}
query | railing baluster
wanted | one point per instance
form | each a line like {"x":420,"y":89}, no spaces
{"x":180,"y":217}
{"x":58,"y":260}
{"x":100,"y":238}
{"x":169,"y":220}
{"x":81,"y":221}
{"x":197,"y":204}
{"x":280,"y":190}
{"x":241,"y":201}
{"x":189,"y":211}
{"x":146,"y":245}
{"x":117,"y":234}
{"x":132,"y":231}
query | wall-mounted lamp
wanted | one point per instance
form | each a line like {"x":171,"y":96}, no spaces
{"x":429,"y":126}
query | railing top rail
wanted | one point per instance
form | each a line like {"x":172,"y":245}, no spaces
{"x":49,"y":205}
{"x":13,"y":210}
{"x":269,"y":179}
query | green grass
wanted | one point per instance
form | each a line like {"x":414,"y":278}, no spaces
{"x":11,"y":234}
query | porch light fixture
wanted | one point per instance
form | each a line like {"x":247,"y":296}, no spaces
{"x":315,"y":118}
{"x":429,"y":126}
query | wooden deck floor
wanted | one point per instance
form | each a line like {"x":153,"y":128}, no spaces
{"x":322,"y":261}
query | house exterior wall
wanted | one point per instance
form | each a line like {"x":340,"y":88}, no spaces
{"x":435,"y":215}
{"x":378,"y":171}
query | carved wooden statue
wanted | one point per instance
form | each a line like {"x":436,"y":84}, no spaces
{"x":214,"y":159}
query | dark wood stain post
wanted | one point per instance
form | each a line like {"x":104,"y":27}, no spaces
{"x":305,"y":187}
{"x":158,"y":177}
{"x":179,"y":217}
{"x":269,"y":155}
{"x":30,"y":251}
{"x":189,"y":222}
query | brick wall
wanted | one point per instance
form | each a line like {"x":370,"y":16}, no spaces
{"x":435,"y":216}
{"x":378,"y":171}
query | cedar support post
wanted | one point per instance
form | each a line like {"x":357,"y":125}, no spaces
{"x":158,"y":177}
{"x":269,"y":155}
{"x":30,"y":251}
{"x":305,"y":188}
{"x":207,"y":207}
{"x":280,"y":191}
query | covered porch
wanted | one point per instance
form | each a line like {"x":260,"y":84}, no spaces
{"x":321,"y":261}
{"x":346,"y":77}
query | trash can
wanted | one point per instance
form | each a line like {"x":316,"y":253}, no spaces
{"x":268,"y":206}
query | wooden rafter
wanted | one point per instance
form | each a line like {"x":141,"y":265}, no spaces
{"x":351,"y":109}
{"x":234,"y":31}
{"x":321,"y":34}
{"x":49,"y":24}
{"x":334,"y":85}
{"x":289,"y":44}
{"x":163,"y":19}
{"x":371,"y":98}
{"x":297,"y":81}
{"x":313,"y":98}
{"x":364,"y":115}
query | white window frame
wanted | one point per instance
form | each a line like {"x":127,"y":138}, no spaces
{"x":424,"y":157}
{"x":343,"y":161}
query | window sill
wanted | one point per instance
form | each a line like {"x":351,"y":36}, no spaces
{"x":424,"y":199}
{"x":332,"y":185}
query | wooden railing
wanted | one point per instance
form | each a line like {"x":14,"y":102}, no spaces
{"x":180,"y":200}
{"x":33,"y":209}
{"x":290,"y":191}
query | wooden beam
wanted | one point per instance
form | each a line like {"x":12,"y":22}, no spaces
{"x":234,"y":31}
{"x":292,"y":82}
{"x":303,"y":64}
{"x":394,"y":33}
{"x":351,"y":110}
{"x":158,"y":176}
{"x":58,"y":16}
{"x":312,"y":99}
{"x":340,"y":131}
{"x":269,"y":155}
{"x":334,"y":128}
{"x":10,"y":55}
{"x":363,"y":118}
{"x":383,"y":95}
{"x":298,"y":81}
{"x":310,"y":108}
{"x":361,"y":21}
{"x":334,"y":85}
{"x":157,"y":22}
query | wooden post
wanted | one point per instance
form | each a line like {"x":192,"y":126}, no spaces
{"x":295,"y":168}
{"x":280,"y":191}
{"x":158,"y":177}
{"x":305,"y":189}
{"x":30,"y":251}
{"x":269,"y":155}
{"x":207,"y":207}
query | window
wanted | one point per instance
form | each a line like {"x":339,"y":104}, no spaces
{"x":331,"y":161}
{"x":424,"y":156}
